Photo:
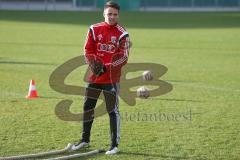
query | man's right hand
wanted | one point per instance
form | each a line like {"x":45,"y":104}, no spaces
{"x":97,"y":67}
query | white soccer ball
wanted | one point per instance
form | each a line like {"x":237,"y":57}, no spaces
{"x":143,"y":92}
{"x":147,"y":75}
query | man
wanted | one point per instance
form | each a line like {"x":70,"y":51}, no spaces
{"x":106,"y":51}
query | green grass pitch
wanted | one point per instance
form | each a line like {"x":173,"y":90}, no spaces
{"x":200,"y":50}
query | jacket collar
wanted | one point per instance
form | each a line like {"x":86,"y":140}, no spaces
{"x":110,"y":26}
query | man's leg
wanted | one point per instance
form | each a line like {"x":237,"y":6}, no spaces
{"x":91,"y":95}
{"x":111,"y":93}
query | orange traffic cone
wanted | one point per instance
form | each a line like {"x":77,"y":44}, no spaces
{"x":32,"y":92}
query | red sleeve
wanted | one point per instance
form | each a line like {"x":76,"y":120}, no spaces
{"x":90,"y":46}
{"x":121,"y":56}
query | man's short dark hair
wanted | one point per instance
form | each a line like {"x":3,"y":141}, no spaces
{"x":112,"y":5}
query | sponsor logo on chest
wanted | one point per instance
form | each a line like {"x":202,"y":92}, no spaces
{"x":109,"y":47}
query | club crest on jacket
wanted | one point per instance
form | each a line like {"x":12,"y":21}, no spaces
{"x":113,"y":39}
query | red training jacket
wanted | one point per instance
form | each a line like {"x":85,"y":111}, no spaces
{"x":110,"y":45}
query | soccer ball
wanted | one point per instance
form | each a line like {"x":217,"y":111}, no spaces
{"x":143,"y":92}
{"x":147,"y":75}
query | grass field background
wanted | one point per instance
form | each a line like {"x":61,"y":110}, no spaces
{"x":200,"y":50}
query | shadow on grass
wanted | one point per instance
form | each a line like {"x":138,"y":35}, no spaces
{"x":182,"y":20}
{"x":155,"y":156}
{"x":48,"y":97}
{"x":40,"y":44}
{"x":178,"y":100}
{"x":26,"y":63}
{"x":152,"y":155}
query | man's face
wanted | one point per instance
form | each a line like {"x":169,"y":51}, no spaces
{"x":111,"y":15}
